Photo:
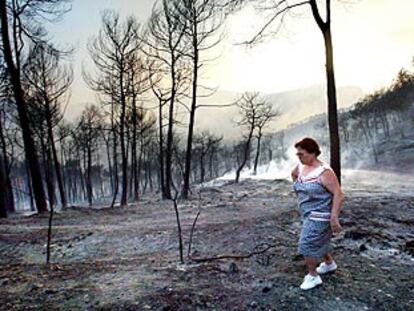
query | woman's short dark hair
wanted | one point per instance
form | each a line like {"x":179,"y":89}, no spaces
{"x":310,"y":145}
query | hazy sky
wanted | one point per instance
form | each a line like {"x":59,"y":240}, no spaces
{"x":372,"y":40}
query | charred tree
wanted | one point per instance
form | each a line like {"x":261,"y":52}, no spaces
{"x":248,"y":105}
{"x":3,"y":185}
{"x":265,"y":114}
{"x":112,"y":51}
{"x":13,"y":66}
{"x":203,"y":19}
{"x":9,"y":197}
{"x":48,"y":84}
{"x":88,"y":131}
{"x":204,"y":144}
{"x":165,"y":45}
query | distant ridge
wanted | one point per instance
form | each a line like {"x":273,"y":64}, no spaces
{"x":295,"y":105}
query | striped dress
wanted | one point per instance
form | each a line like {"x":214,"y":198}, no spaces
{"x":315,"y":203}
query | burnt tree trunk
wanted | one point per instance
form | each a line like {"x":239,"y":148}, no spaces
{"x":47,"y":167}
{"x":124,"y":160}
{"x":9,"y":197}
{"x":115,"y":156}
{"x":3,"y":185}
{"x":29,"y":146}
{"x":164,"y":192}
{"x":56,"y":160}
{"x":325,"y":27}
{"x":246,"y":152}
{"x":89,"y":189}
{"x":169,"y":151}
{"x":256,"y":159}
{"x":29,"y":187}
{"x":187,"y":171}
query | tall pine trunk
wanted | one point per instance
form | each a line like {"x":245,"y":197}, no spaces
{"x":47,"y":169}
{"x":256,"y":160}
{"x":246,"y":152}
{"x":187,"y":171}
{"x":89,"y":188}
{"x":56,"y":161}
{"x":29,"y":146}
{"x":161,"y":152}
{"x":325,"y":27}
{"x":332,"y":107}
{"x":9,"y":197}
{"x":124,"y":159}
{"x":3,"y":183}
{"x":29,"y":187}
{"x":115,"y":155}
{"x":169,"y":151}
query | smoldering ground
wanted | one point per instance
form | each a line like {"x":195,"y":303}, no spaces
{"x":127,"y":258}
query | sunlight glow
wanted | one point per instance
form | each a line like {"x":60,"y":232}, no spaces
{"x":372,"y":40}
{"x":364,"y":56}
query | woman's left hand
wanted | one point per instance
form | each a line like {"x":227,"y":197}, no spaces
{"x":335,"y":225}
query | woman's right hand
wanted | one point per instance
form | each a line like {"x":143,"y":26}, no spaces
{"x":335,"y":225}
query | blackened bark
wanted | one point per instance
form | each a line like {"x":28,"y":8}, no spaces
{"x":161,"y":153}
{"x":210,"y":164}
{"x":187,"y":171}
{"x":332,"y":108}
{"x":139,"y":167}
{"x":124,"y":154}
{"x":49,"y":234}
{"x":8,"y":188}
{"x":29,"y":146}
{"x":83,"y":177}
{"x":256,"y":160}
{"x":29,"y":187}
{"x":180,"y":237}
{"x":3,"y":185}
{"x":202,"y":169}
{"x":134,"y":178}
{"x":108,"y":156}
{"x":115,"y":170}
{"x":56,"y":160}
{"x":246,"y":152}
{"x":168,"y":151}
{"x":48,"y":170}
{"x":325,"y":28}
{"x":89,"y":188}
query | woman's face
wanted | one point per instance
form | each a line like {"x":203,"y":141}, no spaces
{"x":304,"y":156}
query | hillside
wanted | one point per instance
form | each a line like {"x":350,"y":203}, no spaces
{"x":294,"y":105}
{"x":393,"y":151}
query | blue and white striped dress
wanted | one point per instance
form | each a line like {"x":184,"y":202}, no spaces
{"x":315,"y":203}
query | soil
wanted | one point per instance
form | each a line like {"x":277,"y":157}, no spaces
{"x":126,"y":258}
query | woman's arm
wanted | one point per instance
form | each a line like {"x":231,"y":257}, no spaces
{"x":330,"y":182}
{"x":295,"y":172}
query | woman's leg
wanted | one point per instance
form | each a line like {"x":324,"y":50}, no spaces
{"x":311,"y":264}
{"x":328,"y":259}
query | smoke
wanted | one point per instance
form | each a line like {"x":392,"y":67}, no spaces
{"x":270,"y":171}
{"x":378,"y":181}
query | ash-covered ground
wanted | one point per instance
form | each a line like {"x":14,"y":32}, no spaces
{"x":127,"y":258}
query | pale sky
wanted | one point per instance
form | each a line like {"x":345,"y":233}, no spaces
{"x":372,"y":40}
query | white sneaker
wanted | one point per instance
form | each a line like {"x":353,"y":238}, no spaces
{"x":324,"y":268}
{"x":311,"y":281}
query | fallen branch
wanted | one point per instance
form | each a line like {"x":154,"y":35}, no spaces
{"x":285,"y":229}
{"x":269,"y":246}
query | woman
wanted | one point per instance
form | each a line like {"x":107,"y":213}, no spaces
{"x":320,"y":200}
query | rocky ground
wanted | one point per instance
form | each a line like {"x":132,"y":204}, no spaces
{"x":127,"y":258}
